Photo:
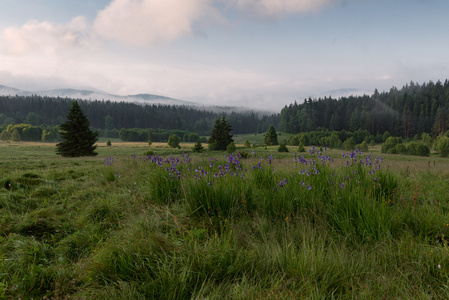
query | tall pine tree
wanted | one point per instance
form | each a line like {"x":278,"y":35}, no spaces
{"x":220,"y":136}
{"x":79,"y":139}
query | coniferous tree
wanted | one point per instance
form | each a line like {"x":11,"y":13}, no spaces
{"x":271,"y":137}
{"x":79,"y":139}
{"x":198,"y":147}
{"x":220,"y":136}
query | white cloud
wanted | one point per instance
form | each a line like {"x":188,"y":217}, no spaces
{"x":44,"y":37}
{"x":148,"y":22}
{"x":280,"y":8}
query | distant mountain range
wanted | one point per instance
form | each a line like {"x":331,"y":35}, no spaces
{"x":339,"y":93}
{"x":96,"y":95}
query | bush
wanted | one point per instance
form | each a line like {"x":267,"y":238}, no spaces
{"x":304,"y":139}
{"x":301,"y":148}
{"x":389,"y":145}
{"x":247,"y":144}
{"x":349,"y":144}
{"x":173,"y":141}
{"x":418,"y":149}
{"x":282,"y":148}
{"x":442,"y":146}
{"x":332,"y":141}
{"x":364,"y":146}
{"x":231,"y":148}
{"x":293,"y":141}
{"x":427,"y":139}
{"x":399,"y":149}
{"x":108,"y":143}
{"x":243,"y":154}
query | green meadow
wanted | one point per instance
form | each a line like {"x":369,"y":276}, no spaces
{"x":169,"y":224}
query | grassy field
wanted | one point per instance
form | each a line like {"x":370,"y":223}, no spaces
{"x":173,"y":225}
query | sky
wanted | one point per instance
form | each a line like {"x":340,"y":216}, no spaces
{"x":261,"y":54}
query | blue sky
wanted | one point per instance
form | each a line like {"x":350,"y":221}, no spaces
{"x":254,"y":53}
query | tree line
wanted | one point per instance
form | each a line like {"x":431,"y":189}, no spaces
{"x":412,"y":110}
{"x":111,"y":117}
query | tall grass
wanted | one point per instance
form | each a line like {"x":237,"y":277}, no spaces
{"x":216,"y":226}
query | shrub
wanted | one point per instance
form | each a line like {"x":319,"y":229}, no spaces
{"x":426,"y":139}
{"x":108,"y":143}
{"x":243,"y":154}
{"x":247,"y":144}
{"x":304,"y":139}
{"x":389,"y":145}
{"x":418,"y":149}
{"x":349,"y":144}
{"x":400,"y":149}
{"x":173,"y":141}
{"x":293,"y":141}
{"x":363,"y":146}
{"x":282,"y":148}
{"x":442,"y":146}
{"x":198,"y":147}
{"x":231,"y":148}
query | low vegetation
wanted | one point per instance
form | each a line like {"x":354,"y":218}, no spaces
{"x":260,"y":224}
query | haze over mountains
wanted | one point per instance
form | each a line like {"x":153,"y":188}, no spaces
{"x":96,"y":95}
{"x":93,"y":94}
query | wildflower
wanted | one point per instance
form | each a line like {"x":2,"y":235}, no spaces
{"x":439,"y":266}
{"x":374,"y":178}
{"x":309,"y":187}
{"x":342,"y":185}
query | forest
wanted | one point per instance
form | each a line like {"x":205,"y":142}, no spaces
{"x":412,"y":110}
{"x":107,"y":115}
{"x":407,"y":112}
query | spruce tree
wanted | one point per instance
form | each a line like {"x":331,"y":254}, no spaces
{"x":271,"y":137}
{"x":198,"y":147}
{"x":220,"y":136}
{"x":78,"y":138}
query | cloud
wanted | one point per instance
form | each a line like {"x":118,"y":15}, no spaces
{"x":44,"y":37}
{"x":140,"y":22}
{"x":149,"y":22}
{"x":280,"y":8}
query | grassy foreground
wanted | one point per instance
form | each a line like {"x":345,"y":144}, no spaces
{"x":124,"y":225}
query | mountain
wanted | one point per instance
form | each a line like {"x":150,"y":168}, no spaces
{"x":339,"y":93}
{"x":96,"y":95}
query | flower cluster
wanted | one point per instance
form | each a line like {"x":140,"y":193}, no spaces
{"x":108,"y":161}
{"x":312,"y":169}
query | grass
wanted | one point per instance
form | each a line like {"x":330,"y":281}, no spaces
{"x":215,"y":226}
